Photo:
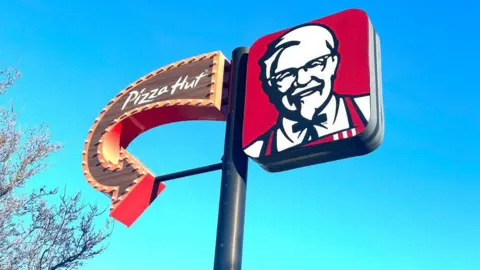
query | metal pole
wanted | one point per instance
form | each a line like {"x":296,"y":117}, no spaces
{"x":231,"y":212}
{"x":195,"y":171}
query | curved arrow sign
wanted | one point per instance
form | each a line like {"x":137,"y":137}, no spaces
{"x":187,"y":90}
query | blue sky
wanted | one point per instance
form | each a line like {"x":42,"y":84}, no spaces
{"x":412,"y":204}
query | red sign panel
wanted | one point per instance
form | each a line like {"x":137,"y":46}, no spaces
{"x":191,"y":89}
{"x":314,"y":93}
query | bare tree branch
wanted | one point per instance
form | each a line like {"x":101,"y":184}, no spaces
{"x":7,"y":78}
{"x":34,"y":233}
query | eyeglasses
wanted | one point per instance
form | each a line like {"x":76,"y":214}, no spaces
{"x":287,"y":77}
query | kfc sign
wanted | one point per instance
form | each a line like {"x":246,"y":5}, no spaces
{"x":313,"y":93}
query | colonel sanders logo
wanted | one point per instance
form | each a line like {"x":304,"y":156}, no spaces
{"x":298,"y":73}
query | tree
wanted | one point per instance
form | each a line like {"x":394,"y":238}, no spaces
{"x":35,"y":234}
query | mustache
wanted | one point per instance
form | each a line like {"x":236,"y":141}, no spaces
{"x":299,"y":95}
{"x":296,"y":100}
{"x":294,"y":87}
{"x":291,"y":91}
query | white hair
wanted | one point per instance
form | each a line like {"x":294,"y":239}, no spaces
{"x":312,"y":36}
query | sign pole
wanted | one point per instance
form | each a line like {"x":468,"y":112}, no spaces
{"x":231,"y":213}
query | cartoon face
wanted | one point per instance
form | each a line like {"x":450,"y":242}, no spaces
{"x":298,"y":70}
{"x":313,"y":93}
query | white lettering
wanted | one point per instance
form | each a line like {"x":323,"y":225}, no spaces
{"x":191,"y":84}
{"x":153,"y":93}
{"x":132,"y":95}
{"x":203,"y":74}
{"x":136,"y":97}
{"x":163,"y":90}
{"x":144,"y":99}
{"x":178,"y":84}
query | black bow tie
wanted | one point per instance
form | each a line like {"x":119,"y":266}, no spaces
{"x":309,"y":125}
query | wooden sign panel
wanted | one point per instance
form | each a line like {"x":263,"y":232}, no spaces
{"x":191,"y":89}
{"x":314,"y":93}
